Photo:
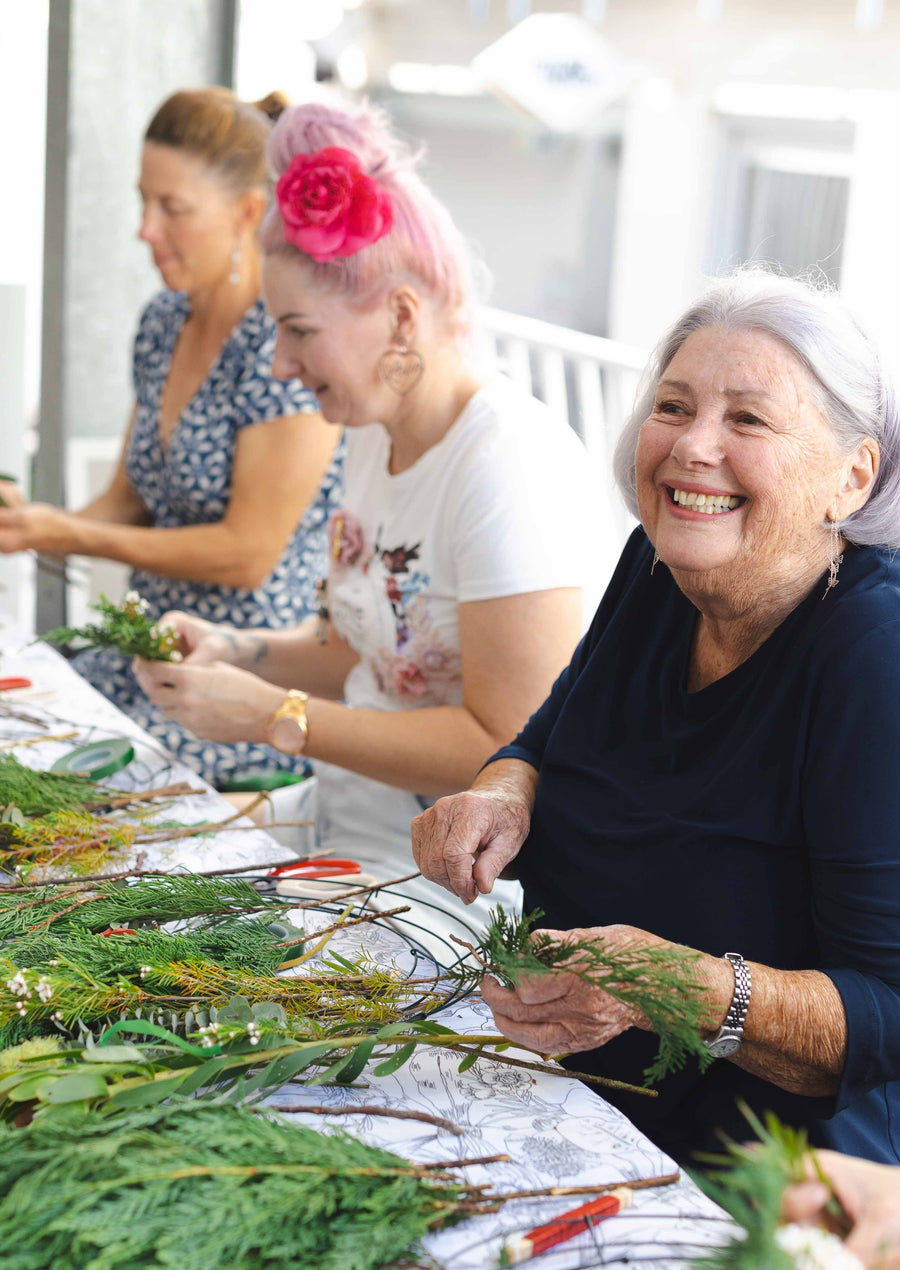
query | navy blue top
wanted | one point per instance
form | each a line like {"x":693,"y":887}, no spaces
{"x":759,"y":815}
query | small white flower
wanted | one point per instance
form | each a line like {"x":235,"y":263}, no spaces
{"x":18,"y":984}
{"x":143,"y":606}
{"x":132,"y":597}
{"x":175,"y":655}
{"x":44,"y":991}
{"x":813,"y":1249}
{"x":57,"y":1015}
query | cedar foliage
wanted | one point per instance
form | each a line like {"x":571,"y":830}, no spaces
{"x":657,"y":981}
{"x":123,"y":626}
{"x":204,"y":1186}
{"x":35,"y":793}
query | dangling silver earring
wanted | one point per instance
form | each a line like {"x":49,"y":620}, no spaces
{"x":235,"y":276}
{"x":655,"y":562}
{"x":835,"y":558}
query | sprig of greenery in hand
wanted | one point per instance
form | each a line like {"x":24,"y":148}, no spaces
{"x":124,"y":626}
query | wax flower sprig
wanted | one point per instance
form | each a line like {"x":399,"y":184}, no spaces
{"x":657,"y":981}
{"x":749,"y":1183}
{"x":124,"y":626}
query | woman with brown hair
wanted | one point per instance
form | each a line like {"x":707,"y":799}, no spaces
{"x":227,"y":475}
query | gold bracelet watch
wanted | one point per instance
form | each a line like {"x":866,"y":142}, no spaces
{"x":288,"y":728}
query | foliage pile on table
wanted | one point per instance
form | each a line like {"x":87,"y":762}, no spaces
{"x":123,"y":626}
{"x":53,"y":818}
{"x":203,"y":1186}
{"x":657,"y":981}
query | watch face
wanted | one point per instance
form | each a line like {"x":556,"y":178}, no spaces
{"x":724,"y":1046}
{"x":287,"y":736}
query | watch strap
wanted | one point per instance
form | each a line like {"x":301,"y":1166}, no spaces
{"x":733,"y":1025}
{"x":294,"y":708}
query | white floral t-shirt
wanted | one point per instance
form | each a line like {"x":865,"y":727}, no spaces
{"x":500,"y":506}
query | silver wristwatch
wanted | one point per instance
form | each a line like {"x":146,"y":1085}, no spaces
{"x":730,"y":1035}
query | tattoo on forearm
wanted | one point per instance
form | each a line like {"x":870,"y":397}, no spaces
{"x":231,"y":640}
{"x":262,"y":648}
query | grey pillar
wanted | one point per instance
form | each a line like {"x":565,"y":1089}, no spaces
{"x":110,"y":63}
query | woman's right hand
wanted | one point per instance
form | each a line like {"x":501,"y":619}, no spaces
{"x":200,"y":642}
{"x":465,"y":841}
{"x":870,"y":1194}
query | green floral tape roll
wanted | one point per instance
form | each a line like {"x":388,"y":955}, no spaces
{"x":98,"y":760}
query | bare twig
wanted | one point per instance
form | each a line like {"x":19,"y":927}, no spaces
{"x":471,"y":949}
{"x":340,"y":925}
{"x":392,"y":1112}
{"x":642,"y":1184}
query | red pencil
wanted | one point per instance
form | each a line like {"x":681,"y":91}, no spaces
{"x":564,"y":1227}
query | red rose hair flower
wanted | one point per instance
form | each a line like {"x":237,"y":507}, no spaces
{"x":329,"y":206}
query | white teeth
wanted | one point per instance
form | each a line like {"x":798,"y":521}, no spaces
{"x":710,"y":504}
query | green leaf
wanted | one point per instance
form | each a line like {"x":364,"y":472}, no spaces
{"x":432,"y":1029}
{"x":76,"y":1087}
{"x":350,"y":1071}
{"x":346,"y":1064}
{"x":470,"y":1060}
{"x":205,"y":1074}
{"x":392,"y":1029}
{"x":146,"y":1093}
{"x":396,"y":1061}
{"x":145,"y":1028}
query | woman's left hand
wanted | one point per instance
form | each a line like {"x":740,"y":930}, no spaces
{"x":216,"y":701}
{"x":559,"y":1013}
{"x":32,"y":526}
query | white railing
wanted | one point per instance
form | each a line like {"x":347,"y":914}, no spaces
{"x":584,"y":379}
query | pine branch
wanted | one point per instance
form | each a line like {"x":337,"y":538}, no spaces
{"x":208,"y":1186}
{"x":657,"y":981}
{"x":123,"y":626}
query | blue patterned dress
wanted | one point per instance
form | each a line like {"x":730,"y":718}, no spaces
{"x":189,"y":483}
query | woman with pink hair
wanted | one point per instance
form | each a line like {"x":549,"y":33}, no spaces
{"x":457,"y":561}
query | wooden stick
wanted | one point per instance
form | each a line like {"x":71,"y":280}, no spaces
{"x":642,"y":1184}
{"x":340,"y":925}
{"x":181,"y":789}
{"x":394,"y":1113}
{"x":357,"y":890}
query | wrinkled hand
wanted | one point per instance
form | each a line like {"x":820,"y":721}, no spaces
{"x":871,"y":1195}
{"x":464,"y":842}
{"x":30,"y":526}
{"x":199,"y":642}
{"x":217,"y":701}
{"x":560,"y":1013}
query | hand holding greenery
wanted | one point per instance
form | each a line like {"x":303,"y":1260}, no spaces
{"x":657,"y":981}
{"x":749,"y":1184}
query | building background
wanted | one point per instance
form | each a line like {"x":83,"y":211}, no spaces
{"x":715,"y":131}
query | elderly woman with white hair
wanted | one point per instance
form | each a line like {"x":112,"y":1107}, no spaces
{"x":718,"y":765}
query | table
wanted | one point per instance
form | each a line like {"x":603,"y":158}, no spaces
{"x":555,"y":1130}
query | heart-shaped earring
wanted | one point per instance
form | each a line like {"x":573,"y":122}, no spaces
{"x":400,"y":369}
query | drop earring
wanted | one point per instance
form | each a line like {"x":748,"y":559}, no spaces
{"x":655,"y":562}
{"x":401,"y":368}
{"x":235,"y":276}
{"x":835,"y":557}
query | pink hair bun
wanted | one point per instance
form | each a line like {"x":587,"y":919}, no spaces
{"x":329,"y":206}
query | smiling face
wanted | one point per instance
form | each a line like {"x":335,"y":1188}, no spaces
{"x":737,"y":470}
{"x":190,"y":220}
{"x":330,"y":344}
